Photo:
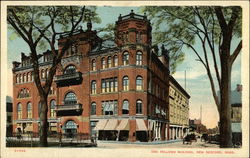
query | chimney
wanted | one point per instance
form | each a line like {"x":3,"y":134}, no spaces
{"x":239,"y":88}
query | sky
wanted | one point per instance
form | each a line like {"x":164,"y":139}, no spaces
{"x":197,"y":83}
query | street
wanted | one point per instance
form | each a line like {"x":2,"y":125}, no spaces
{"x":166,"y":144}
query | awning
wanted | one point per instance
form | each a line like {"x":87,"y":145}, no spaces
{"x":236,"y":127}
{"x":111,"y":125}
{"x":124,"y":125}
{"x":29,"y":128}
{"x":140,"y":125}
{"x":100,"y":125}
{"x":151,"y":125}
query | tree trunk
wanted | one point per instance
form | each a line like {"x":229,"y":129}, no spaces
{"x":43,"y":122}
{"x":225,"y":110}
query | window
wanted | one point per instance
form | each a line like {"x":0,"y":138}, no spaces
{"x":103,"y":63}
{"x":109,"y":62}
{"x":109,"y":107}
{"x":139,"y":83}
{"x":52,"y":108}
{"x":28,"y":77}
{"x":93,"y":87}
{"x":19,"y":111}
{"x":139,"y":58}
{"x":20,"y":78}
{"x":23,"y":93}
{"x":93,"y":65}
{"x":42,"y":74}
{"x":125,"y":83}
{"x":70,"y":69}
{"x":46,"y":73}
{"x":109,"y":85}
{"x":24,"y":78}
{"x":70,"y":99}
{"x":115,"y":84}
{"x":115,"y":60}
{"x":157,"y":109}
{"x":138,"y":107}
{"x":74,"y":49}
{"x":125,"y":58}
{"x":17,"y":78}
{"x":29,"y":110}
{"x":93,"y":108}
{"x":125,"y":107}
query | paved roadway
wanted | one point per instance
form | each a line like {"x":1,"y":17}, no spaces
{"x":160,"y":144}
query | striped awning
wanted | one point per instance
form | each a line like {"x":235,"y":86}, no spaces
{"x":111,"y":125}
{"x":124,"y":125}
{"x":100,"y":125}
{"x":140,"y":125}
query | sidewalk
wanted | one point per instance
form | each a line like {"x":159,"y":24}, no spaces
{"x":140,"y":143}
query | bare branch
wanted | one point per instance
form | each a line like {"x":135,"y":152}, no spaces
{"x":235,"y":53}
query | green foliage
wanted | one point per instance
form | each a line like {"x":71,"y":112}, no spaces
{"x":107,"y":32}
{"x":38,"y":17}
{"x":179,"y":25}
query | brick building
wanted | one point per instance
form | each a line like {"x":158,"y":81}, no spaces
{"x":178,"y":110}
{"x":117,"y":89}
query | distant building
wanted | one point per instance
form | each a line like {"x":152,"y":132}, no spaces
{"x":236,"y":113}
{"x":178,"y":110}
{"x":9,"y":111}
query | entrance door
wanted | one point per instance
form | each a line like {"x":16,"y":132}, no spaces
{"x":70,"y":129}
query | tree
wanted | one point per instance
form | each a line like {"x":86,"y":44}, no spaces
{"x":214,"y":28}
{"x":42,"y":26}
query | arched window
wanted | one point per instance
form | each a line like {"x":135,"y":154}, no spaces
{"x":139,"y":58}
{"x":138,"y":107}
{"x":93,"y":87}
{"x":71,"y":125}
{"x":46,"y":73}
{"x":125,"y":58}
{"x":125,"y":107}
{"x":93,"y":108}
{"x":115,"y":60}
{"x":125,"y":83}
{"x":109,"y":62}
{"x":20,"y":78}
{"x":103,"y":63}
{"x":70,"y":69}
{"x":52,"y":108}
{"x":138,"y":83}
{"x":19,"y":111}
{"x":28,"y":77}
{"x":93,"y":65}
{"x":17,"y":78}
{"x":24,"y":77}
{"x":70,"y":98}
{"x":29,"y":110}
